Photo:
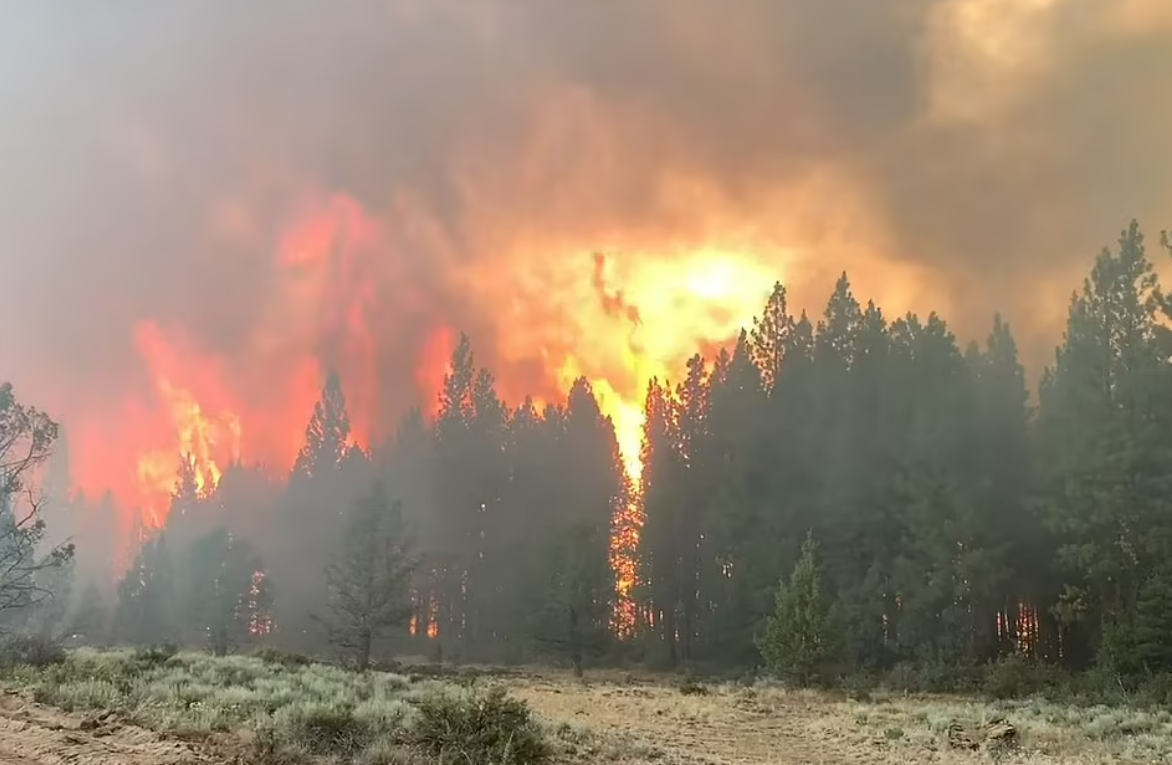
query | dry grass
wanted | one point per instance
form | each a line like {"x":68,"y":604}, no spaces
{"x":288,"y":712}
{"x":645,"y":721}
{"x":282,"y":710}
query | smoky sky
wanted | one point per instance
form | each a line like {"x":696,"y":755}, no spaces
{"x":128,"y":129}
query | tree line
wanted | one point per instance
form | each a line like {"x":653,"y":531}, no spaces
{"x":846,"y":493}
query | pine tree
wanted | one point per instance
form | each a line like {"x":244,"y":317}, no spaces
{"x":329,"y":473}
{"x":218,"y":583}
{"x":771,"y":336}
{"x":456,"y":496}
{"x":369,"y":579}
{"x":1105,"y":444}
{"x":1153,"y":622}
{"x":1006,"y":520}
{"x":327,"y":436}
{"x":486,"y":473}
{"x":801,"y":642}
{"x":147,"y":608}
{"x":694,"y":449}
{"x":942,"y":558}
{"x":659,"y":553}
{"x":572,"y":602}
{"x":570,"y":620}
{"x":738,"y":571}
{"x":184,"y":519}
{"x":407,"y":463}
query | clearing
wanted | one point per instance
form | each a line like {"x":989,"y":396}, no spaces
{"x":734,"y":725}
{"x":121,"y":707}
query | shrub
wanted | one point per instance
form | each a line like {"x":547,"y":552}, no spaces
{"x":479,"y":727}
{"x":859,"y":686}
{"x":30,"y":650}
{"x":693,"y":687}
{"x":935,"y":676}
{"x":1017,"y":676}
{"x":1156,"y":690}
{"x":151,"y":656}
{"x":281,"y":658}
{"x":325,"y":728}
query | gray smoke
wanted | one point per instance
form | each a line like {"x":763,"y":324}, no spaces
{"x":149,"y":150}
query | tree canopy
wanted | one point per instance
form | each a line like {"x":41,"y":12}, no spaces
{"x":956,"y":520}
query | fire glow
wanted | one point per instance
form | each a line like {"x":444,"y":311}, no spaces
{"x":619,"y":320}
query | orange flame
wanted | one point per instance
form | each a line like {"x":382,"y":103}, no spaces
{"x":619,"y":320}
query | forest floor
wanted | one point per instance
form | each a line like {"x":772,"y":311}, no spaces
{"x":110,"y":707}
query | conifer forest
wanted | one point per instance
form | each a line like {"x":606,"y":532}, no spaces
{"x":837,"y":495}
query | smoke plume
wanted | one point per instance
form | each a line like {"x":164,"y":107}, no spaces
{"x":963,"y":155}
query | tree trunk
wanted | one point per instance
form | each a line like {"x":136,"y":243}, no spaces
{"x":365,"y":641}
{"x":575,"y":643}
{"x":669,"y":634}
{"x":219,"y":641}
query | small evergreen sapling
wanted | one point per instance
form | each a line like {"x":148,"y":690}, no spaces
{"x":802,"y":642}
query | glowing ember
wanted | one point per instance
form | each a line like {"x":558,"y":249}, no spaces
{"x":260,"y":622}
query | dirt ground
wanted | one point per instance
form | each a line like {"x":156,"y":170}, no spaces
{"x":644,"y":723}
{"x":34,"y":735}
{"x":660,"y":724}
{"x":651,"y":721}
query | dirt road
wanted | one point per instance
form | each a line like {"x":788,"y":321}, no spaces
{"x":34,"y":735}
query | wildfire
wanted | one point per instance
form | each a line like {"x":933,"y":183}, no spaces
{"x":208,"y":437}
{"x":260,"y":622}
{"x":619,"y":319}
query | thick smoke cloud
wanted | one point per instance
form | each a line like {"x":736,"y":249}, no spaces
{"x":982,"y":149}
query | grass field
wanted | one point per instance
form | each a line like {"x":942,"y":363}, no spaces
{"x":153,"y":708}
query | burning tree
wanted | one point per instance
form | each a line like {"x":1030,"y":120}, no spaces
{"x":26,"y":575}
{"x":369,"y":580}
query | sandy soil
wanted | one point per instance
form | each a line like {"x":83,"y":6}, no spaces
{"x":34,"y":735}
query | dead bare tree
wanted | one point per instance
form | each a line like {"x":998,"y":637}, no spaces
{"x":26,"y":440}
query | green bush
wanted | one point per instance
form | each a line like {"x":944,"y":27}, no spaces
{"x":1017,"y":676}
{"x":935,"y":677}
{"x":323,"y":728}
{"x":1156,"y":690}
{"x":859,"y":686}
{"x":290,"y":713}
{"x":479,"y":727}
{"x":151,"y":656}
{"x":281,"y":658}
